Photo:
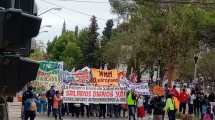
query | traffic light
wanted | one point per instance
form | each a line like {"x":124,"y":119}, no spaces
{"x":16,"y":30}
{"x":7,"y":3}
{"x":17,"y":27}
{"x":27,"y":6}
{"x":15,"y":72}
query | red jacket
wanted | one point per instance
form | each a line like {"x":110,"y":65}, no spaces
{"x":174,"y":92}
{"x":183,"y":97}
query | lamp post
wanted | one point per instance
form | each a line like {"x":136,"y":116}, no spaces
{"x":196,"y":57}
{"x":46,"y":26}
{"x":159,"y":69}
{"x":49,"y":10}
{"x":44,"y":31}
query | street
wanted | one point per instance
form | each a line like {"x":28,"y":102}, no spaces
{"x":14,"y":110}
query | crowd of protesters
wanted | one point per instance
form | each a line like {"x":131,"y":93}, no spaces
{"x":195,"y":103}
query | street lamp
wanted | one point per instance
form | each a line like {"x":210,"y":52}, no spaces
{"x":44,"y":31}
{"x":46,"y":26}
{"x":196,"y":57}
{"x":49,"y":10}
{"x":159,"y":69}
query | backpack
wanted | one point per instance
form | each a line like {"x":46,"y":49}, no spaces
{"x":33,"y":105}
{"x":207,"y":116}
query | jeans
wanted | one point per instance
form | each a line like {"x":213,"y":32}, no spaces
{"x":57,"y":112}
{"x":49,"y":108}
{"x":131,"y":111}
{"x":182,"y":107}
{"x":110,"y":110}
{"x":171,"y":114}
{"x":102,"y":110}
{"x":30,"y":114}
{"x":190,"y":108}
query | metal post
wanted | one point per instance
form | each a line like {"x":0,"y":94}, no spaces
{"x":195,"y":69}
{"x":195,"y":73}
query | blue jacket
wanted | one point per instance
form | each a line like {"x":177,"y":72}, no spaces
{"x":27,"y":104}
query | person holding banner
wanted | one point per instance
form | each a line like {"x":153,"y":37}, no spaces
{"x":131,"y":101}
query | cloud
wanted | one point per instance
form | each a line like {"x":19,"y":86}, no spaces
{"x":74,"y":13}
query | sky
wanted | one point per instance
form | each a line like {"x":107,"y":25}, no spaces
{"x":73,"y":12}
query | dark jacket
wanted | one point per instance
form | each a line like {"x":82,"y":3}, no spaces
{"x":50,"y":95}
{"x":26,"y":95}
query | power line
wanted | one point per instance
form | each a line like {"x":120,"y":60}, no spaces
{"x":85,"y":1}
{"x":181,"y":2}
{"x":72,"y":10}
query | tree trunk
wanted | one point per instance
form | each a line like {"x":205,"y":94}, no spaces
{"x":171,"y":74}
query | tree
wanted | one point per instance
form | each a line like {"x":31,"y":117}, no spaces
{"x":37,"y":55}
{"x":122,"y":8}
{"x":206,"y":69}
{"x":65,"y":48}
{"x":169,"y":34}
{"x":64,"y":27}
{"x":92,"y":47}
{"x":76,"y":32}
{"x":107,"y":31}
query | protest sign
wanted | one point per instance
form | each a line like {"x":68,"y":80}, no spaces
{"x":47,"y":75}
{"x":139,"y":88}
{"x":105,"y":77}
{"x":78,"y":77}
{"x":158,"y":90}
{"x":93,"y":94}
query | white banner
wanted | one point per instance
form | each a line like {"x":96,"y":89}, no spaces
{"x":139,"y":88}
{"x":92,"y":94}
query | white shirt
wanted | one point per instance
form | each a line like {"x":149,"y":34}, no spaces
{"x":140,"y":102}
{"x":192,"y":98}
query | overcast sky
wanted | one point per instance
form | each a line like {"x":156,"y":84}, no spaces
{"x":74,"y":12}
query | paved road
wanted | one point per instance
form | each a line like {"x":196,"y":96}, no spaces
{"x":14,"y":110}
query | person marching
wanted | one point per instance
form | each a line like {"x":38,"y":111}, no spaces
{"x":140,"y":108}
{"x":170,"y":107}
{"x":131,"y":101}
{"x":56,"y":105}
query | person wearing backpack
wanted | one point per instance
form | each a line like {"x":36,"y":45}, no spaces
{"x":170,"y":107}
{"x":30,"y":107}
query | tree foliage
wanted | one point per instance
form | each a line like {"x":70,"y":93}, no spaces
{"x":92,"y":44}
{"x":171,"y":35}
{"x":65,"y":48}
{"x":76,"y":49}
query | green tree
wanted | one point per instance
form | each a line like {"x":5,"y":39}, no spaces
{"x":92,"y":47}
{"x":37,"y":55}
{"x":107,"y":31}
{"x":65,"y":48}
{"x":170,"y":35}
{"x":64,"y":27}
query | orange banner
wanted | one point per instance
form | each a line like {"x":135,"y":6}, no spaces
{"x":105,"y":77}
{"x":157,"y":90}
